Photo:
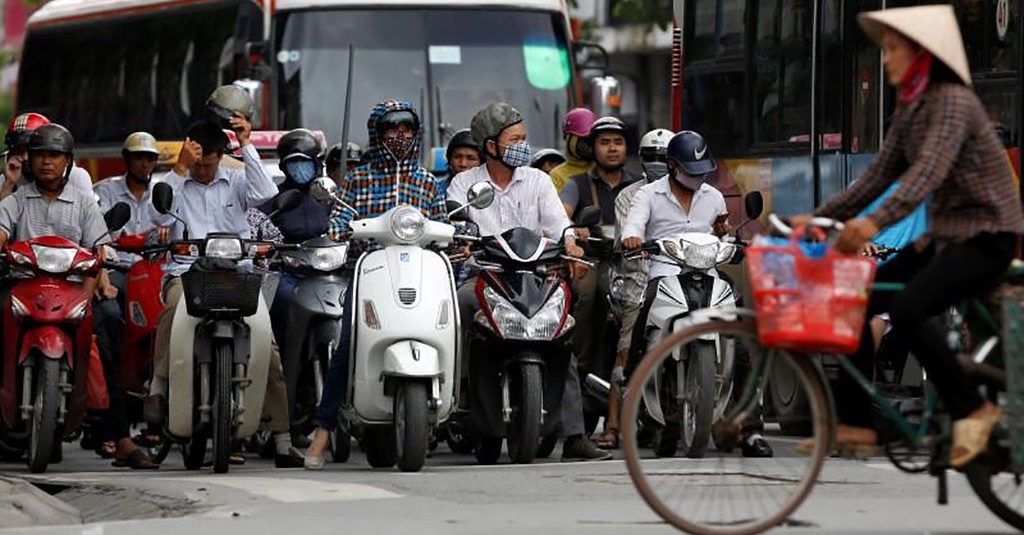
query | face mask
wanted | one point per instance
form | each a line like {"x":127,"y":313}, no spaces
{"x":301,"y":172}
{"x":655,"y":170}
{"x":688,"y":181}
{"x":517,"y":154}
{"x":398,"y":146}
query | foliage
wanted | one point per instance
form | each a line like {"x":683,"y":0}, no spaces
{"x":648,"y":12}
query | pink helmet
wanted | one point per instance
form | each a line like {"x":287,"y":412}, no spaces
{"x":578,"y":122}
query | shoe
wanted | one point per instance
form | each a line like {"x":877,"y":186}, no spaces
{"x":755,"y":446}
{"x":971,"y":435}
{"x":581,"y":449}
{"x":314,"y":463}
{"x":293,"y":459}
{"x":154,"y":410}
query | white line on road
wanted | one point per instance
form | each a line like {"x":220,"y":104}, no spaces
{"x":292,"y":490}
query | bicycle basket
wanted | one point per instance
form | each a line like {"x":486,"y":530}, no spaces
{"x":808,"y":297}
{"x":221,"y":291}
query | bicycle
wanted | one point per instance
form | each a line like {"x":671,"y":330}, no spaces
{"x":770,"y":490}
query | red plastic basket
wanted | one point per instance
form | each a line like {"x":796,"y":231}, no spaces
{"x":809,"y":303}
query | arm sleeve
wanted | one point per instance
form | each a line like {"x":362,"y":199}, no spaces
{"x":260,"y":188}
{"x":571,"y":195}
{"x":878,"y":177}
{"x":458,"y":188}
{"x":553,"y":220}
{"x":10,"y":209}
{"x":103,"y":196}
{"x":438,"y":211}
{"x":622,"y":212}
{"x":93,"y":226}
{"x":639,"y":215}
{"x":337,"y":226}
{"x":948,"y":126}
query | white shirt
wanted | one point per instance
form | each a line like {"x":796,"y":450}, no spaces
{"x":655,"y":213}
{"x":219,"y":206}
{"x":145,"y":218}
{"x":529,"y":201}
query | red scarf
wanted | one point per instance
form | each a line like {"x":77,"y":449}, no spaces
{"x":915,"y":81}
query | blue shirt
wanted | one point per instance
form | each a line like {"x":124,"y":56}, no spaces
{"x":904,"y":232}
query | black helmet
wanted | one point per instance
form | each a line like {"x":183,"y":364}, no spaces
{"x":461,"y":139}
{"x":52,"y":137}
{"x":209,"y":136}
{"x":607,"y":124}
{"x":299,"y":143}
{"x":690,"y":151}
{"x":354,"y":153}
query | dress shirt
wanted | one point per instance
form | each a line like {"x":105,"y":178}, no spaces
{"x":655,"y":213}
{"x":74,"y":215}
{"x":528,"y":201}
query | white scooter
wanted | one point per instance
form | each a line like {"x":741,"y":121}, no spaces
{"x":405,"y":330}
{"x":693,"y":388}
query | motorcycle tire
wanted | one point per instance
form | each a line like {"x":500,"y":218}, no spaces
{"x":698,"y":411}
{"x":222,"y":420}
{"x":524,"y":429}
{"x":547,"y":446}
{"x":666,"y":438}
{"x":412,"y":427}
{"x":45,"y":414}
{"x":341,"y":446}
{"x":488,"y":451}
{"x":193,"y":452}
{"x":379,"y":443}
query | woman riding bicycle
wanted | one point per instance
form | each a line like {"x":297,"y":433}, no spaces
{"x":942,"y":150}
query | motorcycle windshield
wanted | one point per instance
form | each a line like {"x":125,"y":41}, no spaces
{"x":528,"y":292}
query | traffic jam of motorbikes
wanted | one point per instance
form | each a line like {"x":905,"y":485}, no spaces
{"x":290,"y":298}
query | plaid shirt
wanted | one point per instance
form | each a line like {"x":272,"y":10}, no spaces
{"x":372,"y":195}
{"x":944,"y":146}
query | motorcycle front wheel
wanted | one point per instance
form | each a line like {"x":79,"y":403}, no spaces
{"x":698,"y":407}
{"x":524,"y":429}
{"x":45,"y":413}
{"x":412,"y":429}
{"x":222,"y":420}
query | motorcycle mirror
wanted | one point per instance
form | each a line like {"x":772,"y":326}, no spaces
{"x":588,"y":217}
{"x":753,"y":204}
{"x":287,"y":200}
{"x":323,"y":189}
{"x":163,"y":197}
{"x":480,"y":195}
{"x":118,"y":216}
{"x":456,"y":211}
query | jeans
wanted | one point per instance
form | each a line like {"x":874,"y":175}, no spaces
{"x":936,"y":279}
{"x":337,"y":374}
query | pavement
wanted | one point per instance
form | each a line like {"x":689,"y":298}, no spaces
{"x":452,"y":495}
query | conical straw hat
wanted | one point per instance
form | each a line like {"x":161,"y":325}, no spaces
{"x":933,"y":27}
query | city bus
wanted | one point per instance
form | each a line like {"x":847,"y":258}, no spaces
{"x":106,"y":68}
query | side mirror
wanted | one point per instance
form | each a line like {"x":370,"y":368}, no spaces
{"x":588,"y":217}
{"x":323,"y":189}
{"x":163,"y":197}
{"x":288,"y":200}
{"x":118,"y":216}
{"x":590,"y":55}
{"x":451,"y":206}
{"x":480,"y":195}
{"x":753,"y":204}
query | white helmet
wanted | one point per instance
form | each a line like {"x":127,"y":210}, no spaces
{"x":655,"y":142}
{"x":140,"y":142}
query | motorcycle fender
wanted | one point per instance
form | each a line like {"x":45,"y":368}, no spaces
{"x":181,"y":372}
{"x":410,"y":358}
{"x":49,"y":340}
{"x":652,"y":399}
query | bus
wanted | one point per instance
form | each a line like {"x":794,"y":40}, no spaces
{"x":791,"y":95}
{"x":106,"y":68}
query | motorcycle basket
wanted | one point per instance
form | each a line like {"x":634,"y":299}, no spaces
{"x":221,"y":291}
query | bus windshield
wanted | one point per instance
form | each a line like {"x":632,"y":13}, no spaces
{"x":449,"y":63}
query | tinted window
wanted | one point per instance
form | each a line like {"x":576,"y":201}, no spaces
{"x":715,"y":107}
{"x":719,"y":28}
{"x":783,"y":70}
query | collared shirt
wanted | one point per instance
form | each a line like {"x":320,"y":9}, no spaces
{"x":74,"y":215}
{"x":655,"y":213}
{"x":144,"y":215}
{"x":575,"y":196}
{"x":944,"y":145}
{"x":219,"y":206}
{"x":528,"y":201}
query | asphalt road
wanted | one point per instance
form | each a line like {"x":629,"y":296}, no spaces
{"x":454,"y":496}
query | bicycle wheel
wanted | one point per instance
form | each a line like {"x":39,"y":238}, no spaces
{"x":724,"y":493}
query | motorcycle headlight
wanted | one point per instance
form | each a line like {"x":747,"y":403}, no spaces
{"x":700,"y":256}
{"x":21,"y":259}
{"x":328,"y":258}
{"x":54,"y":259}
{"x":726,"y":252}
{"x":408,"y":224}
{"x":514,"y":325}
{"x":227,"y":248}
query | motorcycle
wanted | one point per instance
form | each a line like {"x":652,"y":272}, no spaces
{"x":47,"y":320}
{"x":220,"y":342}
{"x":694,"y":387}
{"x":520,"y":341}
{"x":405,"y":331}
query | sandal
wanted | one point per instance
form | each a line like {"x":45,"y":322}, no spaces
{"x":137,"y":460}
{"x":850,"y":443}
{"x":970,"y":437}
{"x":106,"y":449}
{"x":609,"y":439}
{"x":237,"y":458}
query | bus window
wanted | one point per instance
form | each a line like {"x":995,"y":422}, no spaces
{"x":715,"y":106}
{"x":719,"y":29}
{"x":783,"y":72}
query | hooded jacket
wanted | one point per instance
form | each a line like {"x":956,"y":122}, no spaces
{"x":385,"y":182}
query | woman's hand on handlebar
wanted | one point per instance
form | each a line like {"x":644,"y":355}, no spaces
{"x":632,"y":243}
{"x":855,"y":234}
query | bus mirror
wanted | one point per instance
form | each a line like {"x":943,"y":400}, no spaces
{"x":256,"y":60}
{"x":605,"y":96}
{"x":590,"y":55}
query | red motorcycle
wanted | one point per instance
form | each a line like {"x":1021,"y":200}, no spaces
{"x":143,"y":305}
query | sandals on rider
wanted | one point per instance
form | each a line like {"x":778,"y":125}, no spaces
{"x":970,"y":435}
{"x":106,"y":449}
{"x":138,"y":459}
{"x":609,"y":440}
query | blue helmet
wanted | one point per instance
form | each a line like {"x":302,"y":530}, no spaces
{"x":691,"y":152}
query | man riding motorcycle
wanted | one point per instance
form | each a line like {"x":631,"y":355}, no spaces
{"x":525,"y":198}
{"x":682,"y":202}
{"x":18,"y":133}
{"x":393,"y":176}
{"x":351,"y":156}
{"x":578,"y":152}
{"x":462,"y":154}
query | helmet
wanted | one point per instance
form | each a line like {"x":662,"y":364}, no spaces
{"x":227,"y":100}
{"x":21,"y":127}
{"x":607,"y":124}
{"x":299,"y":143}
{"x":52,"y":137}
{"x":462,"y":139}
{"x":140,"y":142}
{"x":354,"y":154}
{"x":578,"y":122}
{"x":546,"y":154}
{"x":690,"y":150}
{"x":655,"y":143}
{"x":491,"y":121}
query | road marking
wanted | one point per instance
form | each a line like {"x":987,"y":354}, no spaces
{"x":292,"y":490}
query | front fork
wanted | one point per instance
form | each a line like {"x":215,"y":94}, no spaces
{"x":28,"y":394}
{"x":506,"y":398}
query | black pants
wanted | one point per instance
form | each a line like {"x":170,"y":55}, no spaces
{"x":935,"y":280}
{"x":108,"y":325}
